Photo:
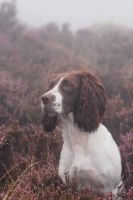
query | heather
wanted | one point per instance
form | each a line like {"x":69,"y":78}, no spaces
{"x":28,"y":57}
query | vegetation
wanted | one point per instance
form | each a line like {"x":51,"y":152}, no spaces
{"x":28,"y":57}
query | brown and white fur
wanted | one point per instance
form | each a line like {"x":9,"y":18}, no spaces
{"x":78,"y":98}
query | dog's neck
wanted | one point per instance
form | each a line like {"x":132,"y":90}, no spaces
{"x":75,"y":138}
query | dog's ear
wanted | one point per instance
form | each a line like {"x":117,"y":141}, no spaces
{"x":91,"y":104}
{"x":49,"y":123}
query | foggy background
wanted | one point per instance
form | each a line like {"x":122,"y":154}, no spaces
{"x":77,"y":13}
{"x":37,"y":39}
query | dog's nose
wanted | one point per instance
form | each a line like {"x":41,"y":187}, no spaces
{"x":47,"y":98}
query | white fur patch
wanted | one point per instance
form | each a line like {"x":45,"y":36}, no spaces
{"x":94,"y":157}
{"x":57,"y":104}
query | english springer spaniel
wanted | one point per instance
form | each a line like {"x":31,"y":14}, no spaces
{"x":79,"y":100}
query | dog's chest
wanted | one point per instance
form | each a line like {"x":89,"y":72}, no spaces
{"x":75,"y":156}
{"x":94,"y":157}
{"x":75,"y":139}
{"x":75,"y":147}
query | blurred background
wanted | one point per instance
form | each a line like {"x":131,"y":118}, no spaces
{"x":40,"y":38}
{"x":78,"y":14}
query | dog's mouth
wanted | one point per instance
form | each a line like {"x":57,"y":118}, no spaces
{"x":49,"y":109}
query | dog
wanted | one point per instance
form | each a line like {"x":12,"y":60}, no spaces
{"x":79,"y":100}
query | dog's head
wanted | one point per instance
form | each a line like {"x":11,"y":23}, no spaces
{"x":80,"y":92}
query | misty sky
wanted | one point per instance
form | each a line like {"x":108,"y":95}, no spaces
{"x":78,"y":13}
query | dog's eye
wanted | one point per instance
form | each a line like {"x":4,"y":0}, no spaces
{"x":68,"y":86}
